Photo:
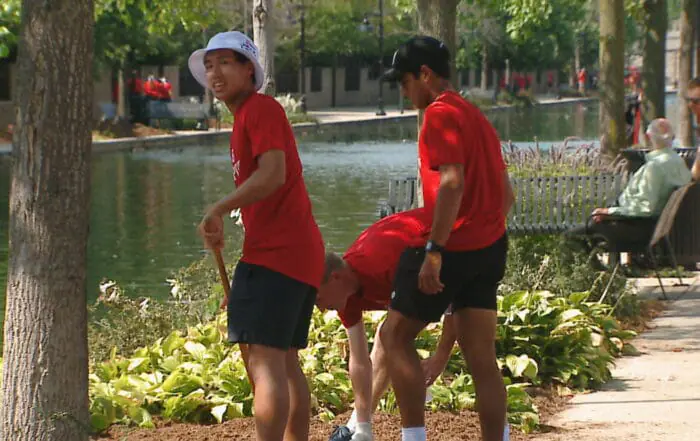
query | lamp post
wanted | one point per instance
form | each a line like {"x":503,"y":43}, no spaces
{"x":381,"y":59}
{"x":302,"y":58}
{"x":302,"y":47}
{"x":367,"y":27}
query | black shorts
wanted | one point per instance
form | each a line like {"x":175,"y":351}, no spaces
{"x":471,"y":280}
{"x":268,"y":308}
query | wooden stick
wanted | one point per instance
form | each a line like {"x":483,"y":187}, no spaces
{"x":222,"y":271}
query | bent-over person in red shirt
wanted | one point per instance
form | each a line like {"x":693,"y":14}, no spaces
{"x":463,"y":259}
{"x":275,"y":282}
{"x":363,"y":280}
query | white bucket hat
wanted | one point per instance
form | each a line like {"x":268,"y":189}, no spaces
{"x":233,"y":40}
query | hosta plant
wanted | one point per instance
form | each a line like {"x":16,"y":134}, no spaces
{"x":196,"y":376}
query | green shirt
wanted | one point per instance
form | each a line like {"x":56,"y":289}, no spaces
{"x":648,"y":191}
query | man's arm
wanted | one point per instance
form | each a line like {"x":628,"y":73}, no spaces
{"x":695,"y":170}
{"x":642,"y":194}
{"x":434,"y":365}
{"x":270,"y":175}
{"x":508,"y":194}
{"x":448,"y":201}
{"x":360,"y":372}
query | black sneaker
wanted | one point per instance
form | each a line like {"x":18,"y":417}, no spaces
{"x":340,"y":433}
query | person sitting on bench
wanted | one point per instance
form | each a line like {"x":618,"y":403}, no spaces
{"x":640,"y":204}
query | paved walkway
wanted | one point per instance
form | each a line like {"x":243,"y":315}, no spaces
{"x":654,"y":396}
{"x":349,"y":114}
{"x":343,"y":114}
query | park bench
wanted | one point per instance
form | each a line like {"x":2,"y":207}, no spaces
{"x":181,"y":110}
{"x":543,"y":205}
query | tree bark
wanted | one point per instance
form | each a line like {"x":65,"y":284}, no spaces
{"x":264,"y":37}
{"x":484,"y":68}
{"x":697,"y":41}
{"x":685,"y":71}
{"x":45,"y":372}
{"x":654,"y":61}
{"x":612,"y":90}
{"x":438,"y":19}
{"x":123,"y":93}
{"x":577,"y":56}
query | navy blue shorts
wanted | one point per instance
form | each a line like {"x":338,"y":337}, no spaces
{"x":268,"y":308}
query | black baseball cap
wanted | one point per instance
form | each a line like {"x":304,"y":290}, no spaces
{"x":416,"y":52}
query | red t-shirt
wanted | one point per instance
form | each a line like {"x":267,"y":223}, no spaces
{"x":455,"y":131}
{"x":374,"y":257}
{"x":167,"y":90}
{"x":280,"y":231}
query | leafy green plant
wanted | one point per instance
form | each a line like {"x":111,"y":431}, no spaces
{"x":547,"y":262}
{"x":291,"y":105}
{"x":573,"y":341}
{"x":196,"y":376}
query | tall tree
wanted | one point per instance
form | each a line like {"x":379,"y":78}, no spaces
{"x":45,"y":372}
{"x":264,"y":37}
{"x":612,"y":72}
{"x":685,"y":71}
{"x":697,"y":41}
{"x":655,"y":22}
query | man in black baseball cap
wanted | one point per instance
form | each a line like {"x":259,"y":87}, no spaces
{"x":467,"y":193}
{"x":416,"y":56}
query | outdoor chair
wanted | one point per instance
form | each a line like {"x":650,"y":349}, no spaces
{"x":649,"y":245}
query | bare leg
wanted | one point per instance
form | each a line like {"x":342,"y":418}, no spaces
{"x":380,"y":374}
{"x":476,"y":334}
{"x":245,"y":354}
{"x":398,"y":336}
{"x":268,"y":371}
{"x":299,"y":400}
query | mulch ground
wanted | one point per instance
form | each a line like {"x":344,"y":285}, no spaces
{"x":112,"y":129}
{"x":442,"y":426}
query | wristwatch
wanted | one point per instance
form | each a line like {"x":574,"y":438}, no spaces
{"x":433,"y":247}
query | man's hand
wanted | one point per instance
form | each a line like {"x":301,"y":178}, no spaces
{"x":429,"y":276}
{"x":432,"y":368}
{"x":598,"y":214}
{"x":224,"y":302}
{"x":212,"y":231}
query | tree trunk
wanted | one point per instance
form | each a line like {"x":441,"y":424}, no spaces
{"x":264,"y":37}
{"x":45,"y":372}
{"x":697,"y":41}
{"x":612,"y":89}
{"x":484,"y":68}
{"x":438,"y":18}
{"x":654,"y":64}
{"x":685,"y":72}
{"x":577,"y":55}
{"x":573,"y":76}
{"x":438,"y":21}
{"x":122,"y":95}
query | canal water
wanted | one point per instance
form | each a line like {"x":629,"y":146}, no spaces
{"x":146,"y":205}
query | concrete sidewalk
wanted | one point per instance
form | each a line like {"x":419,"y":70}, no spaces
{"x":653,"y":396}
{"x":343,"y":114}
{"x":333,"y":116}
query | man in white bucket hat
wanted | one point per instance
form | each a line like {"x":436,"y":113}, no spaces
{"x":282,"y":264}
